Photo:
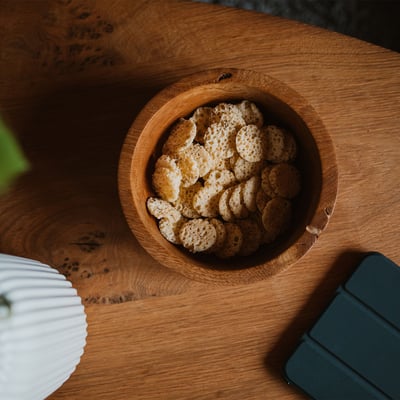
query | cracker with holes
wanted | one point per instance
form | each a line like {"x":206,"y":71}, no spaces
{"x":221,"y":235}
{"x":206,"y":200}
{"x":284,"y":180}
{"x":261,"y":199}
{"x":219,"y":140}
{"x":224,"y":175}
{"x":236,"y":202}
{"x":251,"y":143}
{"x":220,"y":178}
{"x":170,"y":229}
{"x":198,"y":235}
{"x":204,"y":160}
{"x":181,"y":136}
{"x":223,"y":205}
{"x":184,"y":202}
{"x":251,"y":113}
{"x":189,"y":169}
{"x":233,"y":241}
{"x":160,"y":208}
{"x":249,"y":192}
{"x":201,"y":118}
{"x":265,"y":181}
{"x":276,"y":216}
{"x":167,"y":182}
{"x":252,"y":231}
{"x":244,"y":169}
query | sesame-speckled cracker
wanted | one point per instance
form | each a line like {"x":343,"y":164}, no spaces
{"x":197,"y":235}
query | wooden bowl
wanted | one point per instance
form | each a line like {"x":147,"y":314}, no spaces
{"x":316,"y":161}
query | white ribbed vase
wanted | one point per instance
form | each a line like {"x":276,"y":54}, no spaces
{"x":43,"y":329}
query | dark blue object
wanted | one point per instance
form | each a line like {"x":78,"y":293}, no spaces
{"x":353,"y":351}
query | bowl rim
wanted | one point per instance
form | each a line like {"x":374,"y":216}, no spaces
{"x":329,"y":182}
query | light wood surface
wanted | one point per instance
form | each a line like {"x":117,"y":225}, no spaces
{"x":73,"y":76}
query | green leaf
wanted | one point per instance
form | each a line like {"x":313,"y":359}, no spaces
{"x":12,"y":161}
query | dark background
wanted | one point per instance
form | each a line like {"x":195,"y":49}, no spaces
{"x":375,"y":21}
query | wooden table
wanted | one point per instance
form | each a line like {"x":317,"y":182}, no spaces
{"x":73,"y":76}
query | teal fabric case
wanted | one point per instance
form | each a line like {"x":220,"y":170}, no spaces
{"x":353,"y":350}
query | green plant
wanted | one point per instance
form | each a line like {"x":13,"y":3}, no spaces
{"x":12,"y":160}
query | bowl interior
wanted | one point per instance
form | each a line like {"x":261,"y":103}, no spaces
{"x":149,"y":132}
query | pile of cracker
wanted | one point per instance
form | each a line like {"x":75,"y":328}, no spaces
{"x":225,"y":181}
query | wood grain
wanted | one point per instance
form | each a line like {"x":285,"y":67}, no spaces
{"x":73,"y":76}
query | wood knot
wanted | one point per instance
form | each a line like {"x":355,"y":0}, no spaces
{"x":223,"y":76}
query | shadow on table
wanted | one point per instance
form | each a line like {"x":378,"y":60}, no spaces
{"x":340,"y":271}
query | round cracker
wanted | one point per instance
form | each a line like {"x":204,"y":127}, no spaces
{"x":265,"y":181}
{"x":184,"y":202}
{"x":221,"y":235}
{"x":284,"y":180}
{"x":251,"y":113}
{"x":203,"y":159}
{"x":221,"y":110}
{"x":289,"y":152}
{"x":206,"y":200}
{"x":261,"y":199}
{"x":250,"y":230}
{"x":251,"y":143}
{"x":167,"y":182}
{"x":197,"y":235}
{"x":220,"y":178}
{"x":233,"y":241}
{"x":236,"y":202}
{"x":275,"y":138}
{"x":250,"y":189}
{"x":276,"y":216}
{"x":160,"y":208}
{"x":170,"y":230}
{"x":219,"y":140}
{"x":201,"y":117}
{"x":181,"y":136}
{"x":244,"y":169}
{"x":223,"y":205}
{"x":189,"y":169}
